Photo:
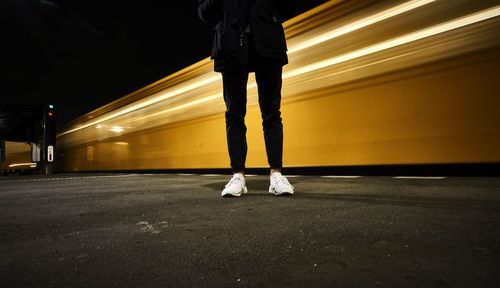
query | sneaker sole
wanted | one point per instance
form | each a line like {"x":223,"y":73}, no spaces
{"x":272,"y":191}
{"x":229,"y":195}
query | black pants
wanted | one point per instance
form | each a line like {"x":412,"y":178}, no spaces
{"x":268,"y":75}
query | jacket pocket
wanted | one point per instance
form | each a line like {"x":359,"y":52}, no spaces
{"x":270,"y":32}
{"x":226,"y":40}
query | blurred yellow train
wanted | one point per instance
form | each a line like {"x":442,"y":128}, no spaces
{"x":369,"y":83}
{"x":17,"y":158}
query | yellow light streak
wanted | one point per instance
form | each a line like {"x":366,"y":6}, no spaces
{"x":384,"y":15}
{"x":32,"y":165}
{"x":192,"y":103}
{"x":179,"y":107}
{"x":362,"y":23}
{"x":117,"y":129}
{"x":142,"y":104}
{"x":405,"y":7}
{"x":189,"y":104}
{"x":412,"y":37}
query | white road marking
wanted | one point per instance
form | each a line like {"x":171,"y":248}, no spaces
{"x":152,"y":174}
{"x":72,"y":178}
{"x":420,"y":177}
{"x":211,"y":175}
{"x":341,"y":177}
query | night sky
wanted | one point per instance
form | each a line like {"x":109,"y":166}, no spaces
{"x":82,"y":54}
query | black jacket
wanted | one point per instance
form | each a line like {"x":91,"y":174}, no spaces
{"x":231,"y":21}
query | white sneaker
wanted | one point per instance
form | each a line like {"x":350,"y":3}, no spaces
{"x":235,"y":187}
{"x":280,"y":185}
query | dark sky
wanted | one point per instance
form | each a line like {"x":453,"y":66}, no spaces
{"x":82,"y":54}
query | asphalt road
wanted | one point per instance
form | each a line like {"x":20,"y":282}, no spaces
{"x":128,"y":230}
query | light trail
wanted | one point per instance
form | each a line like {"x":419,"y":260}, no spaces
{"x":412,"y":37}
{"x":31,"y":165}
{"x":349,"y":28}
{"x":146,"y":103}
{"x":362,"y":23}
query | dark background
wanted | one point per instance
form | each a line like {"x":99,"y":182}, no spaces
{"x":82,"y":54}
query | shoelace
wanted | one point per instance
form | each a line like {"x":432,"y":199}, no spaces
{"x":279,"y":179}
{"x":233,"y":180}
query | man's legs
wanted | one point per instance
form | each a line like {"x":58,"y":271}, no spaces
{"x":235,"y":96}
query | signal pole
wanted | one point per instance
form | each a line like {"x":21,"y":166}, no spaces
{"x":48,"y":139}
